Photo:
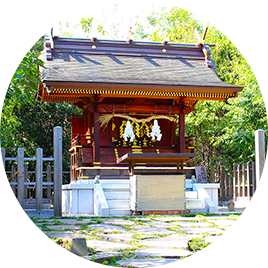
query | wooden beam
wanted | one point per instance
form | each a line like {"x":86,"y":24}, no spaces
{"x":130,"y":108}
{"x":182,"y":132}
{"x":95,"y":86}
{"x":96,"y":143}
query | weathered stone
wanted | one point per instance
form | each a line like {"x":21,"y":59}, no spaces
{"x":67,"y":235}
{"x":160,"y":224}
{"x":118,"y":221}
{"x":194,"y":224}
{"x":63,"y":227}
{"x":104,"y":245}
{"x":161,"y":252}
{"x":231,"y":205}
{"x":171,"y":241}
{"x":118,"y":237}
{"x":76,"y":221}
{"x":144,"y":263}
{"x":107,"y":228}
{"x":79,"y":246}
{"x":201,"y":230}
{"x":170,"y":219}
{"x":102,"y":256}
{"x":150,"y":230}
{"x":69,"y":221}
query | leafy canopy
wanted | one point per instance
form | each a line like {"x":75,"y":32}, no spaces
{"x":223,"y":130}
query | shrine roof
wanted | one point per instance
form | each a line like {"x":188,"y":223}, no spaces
{"x":85,"y":63}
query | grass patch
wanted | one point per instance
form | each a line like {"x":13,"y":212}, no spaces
{"x":197,"y":243}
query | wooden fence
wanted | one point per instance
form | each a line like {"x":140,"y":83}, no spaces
{"x":240,"y":185}
{"x":38,"y":188}
{"x":30,"y":182}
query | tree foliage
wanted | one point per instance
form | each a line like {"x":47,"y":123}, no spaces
{"x":27,"y":122}
{"x":223,"y":130}
{"x":86,"y":24}
{"x":22,"y":89}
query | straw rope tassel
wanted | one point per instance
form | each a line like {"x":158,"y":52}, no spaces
{"x":105,"y":119}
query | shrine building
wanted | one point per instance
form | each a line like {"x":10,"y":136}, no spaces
{"x":134,"y":97}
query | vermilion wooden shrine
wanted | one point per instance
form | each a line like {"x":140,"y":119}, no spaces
{"x":116,"y":82}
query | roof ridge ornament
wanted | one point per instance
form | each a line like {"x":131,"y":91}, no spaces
{"x":49,"y":44}
{"x":129,"y":41}
{"x":164,"y":42}
{"x":201,"y":41}
{"x":205,"y":47}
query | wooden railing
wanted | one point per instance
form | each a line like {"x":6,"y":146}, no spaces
{"x":240,"y":185}
{"x":80,"y":139}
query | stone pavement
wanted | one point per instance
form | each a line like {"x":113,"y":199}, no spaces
{"x":137,"y":241}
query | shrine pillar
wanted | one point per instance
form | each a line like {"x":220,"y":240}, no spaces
{"x":182,"y":133}
{"x":96,"y":144}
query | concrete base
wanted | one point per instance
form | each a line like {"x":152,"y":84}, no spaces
{"x":78,"y":197}
{"x":81,"y":197}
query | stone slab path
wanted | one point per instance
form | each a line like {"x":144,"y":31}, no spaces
{"x":167,"y":253}
{"x":107,"y":228}
{"x":171,"y":241}
{"x":142,"y":229}
{"x":105,"y":246}
{"x":137,"y":241}
{"x":144,"y":263}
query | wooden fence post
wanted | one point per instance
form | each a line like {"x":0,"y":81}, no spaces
{"x":3,"y":152}
{"x":20,"y":176}
{"x":234,"y":182}
{"x":13,"y":179}
{"x":212,"y":174}
{"x":49,"y":180}
{"x":39,"y":179}
{"x":253,"y":177}
{"x":57,"y":171}
{"x":222,"y":184}
{"x":243,"y":180}
{"x":248,"y":181}
{"x":259,"y":153}
{"x":25,"y":180}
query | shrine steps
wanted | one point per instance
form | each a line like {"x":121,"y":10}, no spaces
{"x":201,"y":198}
{"x":111,"y":197}
{"x":191,"y":199}
{"x":117,"y":196}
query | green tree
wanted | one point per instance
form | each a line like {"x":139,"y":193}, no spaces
{"x":223,"y":130}
{"x":26,"y":121}
{"x":174,"y":25}
{"x":86,"y":24}
{"x":232,"y":139}
{"x":22,"y":89}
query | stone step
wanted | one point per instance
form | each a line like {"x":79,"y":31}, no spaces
{"x":191,"y":194}
{"x":194,"y":203}
{"x":189,"y":186}
{"x":119,"y":194}
{"x":115,"y":186}
{"x":199,"y":210}
{"x":120,"y":212}
{"x":118,"y":204}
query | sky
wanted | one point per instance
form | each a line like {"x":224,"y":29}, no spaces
{"x":113,"y":14}
{"x":120,"y":14}
{"x":116,"y":17}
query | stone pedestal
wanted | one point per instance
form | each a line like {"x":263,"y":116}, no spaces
{"x":157,"y":193}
